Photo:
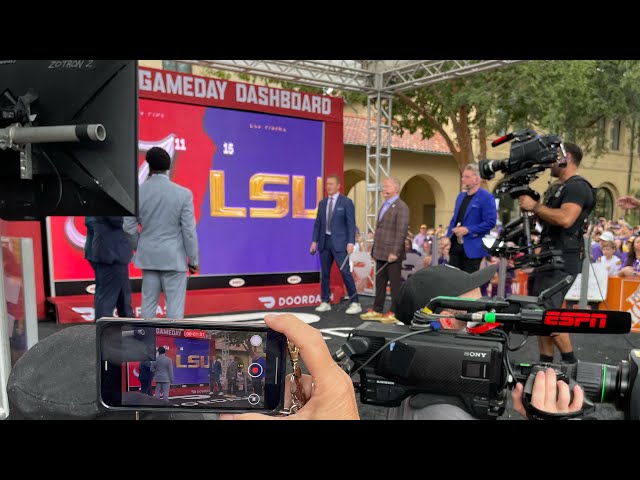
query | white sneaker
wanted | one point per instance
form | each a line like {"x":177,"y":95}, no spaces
{"x":354,"y":308}
{"x":323,"y":307}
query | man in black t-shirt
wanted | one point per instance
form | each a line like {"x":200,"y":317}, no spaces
{"x":563,"y":215}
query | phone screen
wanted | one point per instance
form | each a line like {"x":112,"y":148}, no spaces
{"x":160,"y":364}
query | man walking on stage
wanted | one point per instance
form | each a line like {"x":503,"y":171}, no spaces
{"x":334,"y":234}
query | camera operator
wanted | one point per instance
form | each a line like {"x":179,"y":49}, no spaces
{"x":330,"y":390}
{"x":563,"y":216}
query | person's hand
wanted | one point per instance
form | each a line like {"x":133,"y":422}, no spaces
{"x":626,"y":272}
{"x":627,"y":202}
{"x":193,"y":269}
{"x":349,"y":248}
{"x":460,"y":231}
{"x":314,"y":248}
{"x":548,"y":395}
{"x":526,"y":202}
{"x":328,"y":388}
{"x":392,"y":258}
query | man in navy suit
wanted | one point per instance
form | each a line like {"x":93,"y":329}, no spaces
{"x":334,"y":236}
{"x":473,"y":218}
{"x":112,"y":253}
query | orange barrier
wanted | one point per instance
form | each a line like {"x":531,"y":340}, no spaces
{"x":623,"y":294}
{"x":519,"y":284}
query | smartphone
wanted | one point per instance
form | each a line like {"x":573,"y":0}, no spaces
{"x":189,"y":365}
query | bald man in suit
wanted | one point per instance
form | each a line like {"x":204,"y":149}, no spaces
{"x":388,"y":250}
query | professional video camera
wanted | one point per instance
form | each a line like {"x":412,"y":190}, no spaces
{"x":398,"y":361}
{"x":529,"y":151}
{"x":530,"y":155}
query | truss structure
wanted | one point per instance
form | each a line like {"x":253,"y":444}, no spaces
{"x":366,"y":76}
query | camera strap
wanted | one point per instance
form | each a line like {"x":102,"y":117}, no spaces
{"x":298,"y":396}
{"x":534,"y":414}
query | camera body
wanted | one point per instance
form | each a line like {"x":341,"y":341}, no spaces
{"x":530,"y":155}
{"x":474,"y":370}
{"x":442,"y":362}
{"x":528,"y":150}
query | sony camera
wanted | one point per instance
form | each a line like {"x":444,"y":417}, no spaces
{"x":473,"y":367}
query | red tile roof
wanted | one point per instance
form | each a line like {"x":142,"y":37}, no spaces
{"x":355,"y":133}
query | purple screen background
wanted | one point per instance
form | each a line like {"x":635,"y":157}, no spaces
{"x":236,"y":246}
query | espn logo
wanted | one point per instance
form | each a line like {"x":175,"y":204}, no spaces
{"x":575,"y":319}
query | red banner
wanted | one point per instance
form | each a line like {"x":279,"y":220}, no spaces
{"x":217,"y":92}
{"x":79,"y":308}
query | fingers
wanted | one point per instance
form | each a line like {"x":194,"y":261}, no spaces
{"x":564,"y":396}
{"x":313,"y":348}
{"x":538,"y":393}
{"x":550,"y":385}
{"x":244,"y":416}
{"x":578,"y":399}
{"x":516,"y":398}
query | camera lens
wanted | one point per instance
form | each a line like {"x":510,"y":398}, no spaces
{"x":603,"y":383}
{"x":488,"y":168}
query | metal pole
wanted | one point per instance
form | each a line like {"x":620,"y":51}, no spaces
{"x":435,"y":253}
{"x":586,"y":267}
{"x":502,"y":277}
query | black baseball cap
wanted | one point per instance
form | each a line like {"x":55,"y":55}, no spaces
{"x":427,"y":283}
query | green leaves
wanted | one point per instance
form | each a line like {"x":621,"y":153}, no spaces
{"x":568,"y":97}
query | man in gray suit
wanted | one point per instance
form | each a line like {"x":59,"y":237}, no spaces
{"x":388,"y":250}
{"x":163,"y":374}
{"x":166,"y":240}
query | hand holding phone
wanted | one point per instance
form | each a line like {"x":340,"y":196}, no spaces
{"x":329,"y":388}
{"x":189,"y":365}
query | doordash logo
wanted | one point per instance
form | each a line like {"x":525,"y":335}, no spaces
{"x":269,"y":302}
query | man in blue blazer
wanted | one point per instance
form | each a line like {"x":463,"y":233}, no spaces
{"x":334,"y":236}
{"x":474,"y":217}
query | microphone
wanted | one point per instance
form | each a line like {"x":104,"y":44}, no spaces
{"x":557,"y":320}
{"x":587,"y":321}
{"x":501,"y":140}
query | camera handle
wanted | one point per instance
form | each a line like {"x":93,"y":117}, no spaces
{"x":535,"y":414}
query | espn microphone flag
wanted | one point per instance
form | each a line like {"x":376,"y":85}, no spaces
{"x":587,"y":321}
{"x":539,"y":322}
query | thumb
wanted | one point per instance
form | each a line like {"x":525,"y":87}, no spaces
{"x":244,"y":416}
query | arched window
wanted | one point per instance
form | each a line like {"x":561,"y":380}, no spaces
{"x":604,"y":203}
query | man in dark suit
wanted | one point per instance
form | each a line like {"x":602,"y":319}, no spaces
{"x":388,"y":250}
{"x":145,"y":375}
{"x":215,"y":372}
{"x":334,"y":234}
{"x":112,"y":253}
{"x":473,"y":218}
